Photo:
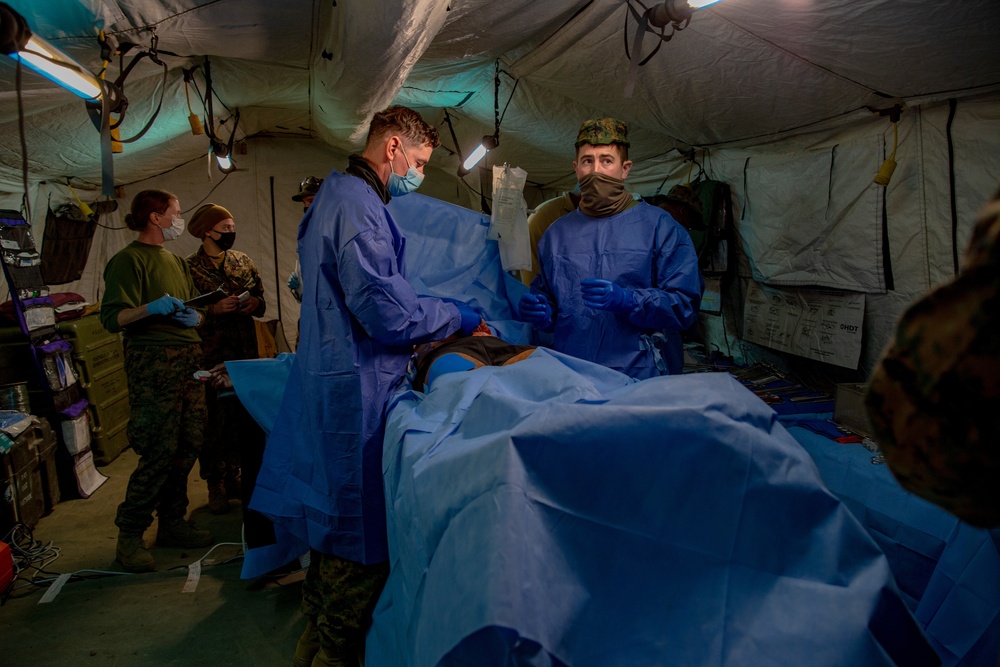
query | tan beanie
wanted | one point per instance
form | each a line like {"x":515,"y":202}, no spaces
{"x":206,"y":217}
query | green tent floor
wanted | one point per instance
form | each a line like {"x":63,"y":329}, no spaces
{"x":146,"y":620}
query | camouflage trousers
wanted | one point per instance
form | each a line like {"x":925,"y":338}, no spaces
{"x":165,"y":430}
{"x":339,"y":596}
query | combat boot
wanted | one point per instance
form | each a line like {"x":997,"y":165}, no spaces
{"x":324,"y":659}
{"x":308,"y":646}
{"x":180,"y":533}
{"x":218,"y":500}
{"x":132,"y":553}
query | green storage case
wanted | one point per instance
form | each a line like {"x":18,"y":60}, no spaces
{"x":108,"y":420}
{"x":107,"y":445}
{"x":95,"y":349}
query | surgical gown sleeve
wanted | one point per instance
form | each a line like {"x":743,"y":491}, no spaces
{"x":382,"y":300}
{"x":674,"y":301}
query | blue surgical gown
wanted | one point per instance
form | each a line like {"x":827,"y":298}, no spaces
{"x":321,"y":479}
{"x":642,"y":249}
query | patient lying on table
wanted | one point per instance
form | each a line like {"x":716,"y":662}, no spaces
{"x":457,"y":354}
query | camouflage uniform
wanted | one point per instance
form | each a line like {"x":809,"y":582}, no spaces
{"x":167,"y":404}
{"x":338,"y":596}
{"x":228,"y":337}
{"x":225,"y":338}
{"x":165,"y":430}
{"x":934,"y":398}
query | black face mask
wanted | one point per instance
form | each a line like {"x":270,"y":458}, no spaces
{"x":225,"y":240}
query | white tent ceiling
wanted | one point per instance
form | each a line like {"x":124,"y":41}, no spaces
{"x":743,"y":71}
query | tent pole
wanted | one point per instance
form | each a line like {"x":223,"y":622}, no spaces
{"x":274,"y":241}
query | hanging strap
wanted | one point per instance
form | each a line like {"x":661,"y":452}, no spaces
{"x":633,"y":66}
{"x":100,"y":116}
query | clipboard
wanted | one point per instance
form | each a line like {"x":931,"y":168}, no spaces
{"x":206,"y":299}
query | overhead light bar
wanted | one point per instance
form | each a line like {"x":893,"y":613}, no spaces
{"x":18,"y":42}
{"x":55,"y":65}
{"x":676,"y":11}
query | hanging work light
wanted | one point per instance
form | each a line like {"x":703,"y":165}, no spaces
{"x":675,"y":11}
{"x":223,"y":156}
{"x":490,"y":141}
{"x":485,"y":146}
{"x":223,"y":151}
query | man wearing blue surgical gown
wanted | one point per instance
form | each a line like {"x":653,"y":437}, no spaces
{"x":619,"y":279}
{"x":321,"y":479}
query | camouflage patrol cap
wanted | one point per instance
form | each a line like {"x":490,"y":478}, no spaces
{"x":602,"y":131}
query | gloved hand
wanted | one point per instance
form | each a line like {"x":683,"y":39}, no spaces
{"x":188,"y":316}
{"x":535,"y":309}
{"x":295,"y":285}
{"x":606,"y":295}
{"x":470,"y":318}
{"x":165,"y":305}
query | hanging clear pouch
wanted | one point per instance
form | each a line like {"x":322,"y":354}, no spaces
{"x":57,"y":363}
{"x":509,"y":220}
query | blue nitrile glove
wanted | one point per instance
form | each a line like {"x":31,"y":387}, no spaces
{"x":606,"y":295}
{"x":188,"y":317}
{"x":535,"y":309}
{"x":165,"y":305}
{"x":470,"y":318}
{"x":295,"y":285}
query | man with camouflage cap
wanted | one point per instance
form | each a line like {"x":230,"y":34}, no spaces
{"x":306,"y":194}
{"x":618,"y":279}
{"x":602,"y":130}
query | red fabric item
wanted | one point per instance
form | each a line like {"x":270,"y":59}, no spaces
{"x":58,"y":299}
{"x":6,"y":567}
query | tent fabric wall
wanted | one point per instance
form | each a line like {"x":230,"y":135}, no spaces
{"x":794,"y":237}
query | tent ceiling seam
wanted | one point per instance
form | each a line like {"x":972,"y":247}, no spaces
{"x":911,"y":102}
{"x":798,"y":56}
{"x":149,"y":26}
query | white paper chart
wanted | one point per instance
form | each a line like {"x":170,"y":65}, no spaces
{"x":825,"y":325}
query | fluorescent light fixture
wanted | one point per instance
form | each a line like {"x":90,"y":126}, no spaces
{"x":53,"y":64}
{"x":485,"y":146}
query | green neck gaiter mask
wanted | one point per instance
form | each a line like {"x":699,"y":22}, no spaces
{"x":602,"y":196}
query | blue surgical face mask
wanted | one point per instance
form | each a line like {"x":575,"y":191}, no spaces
{"x":404,"y":185}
